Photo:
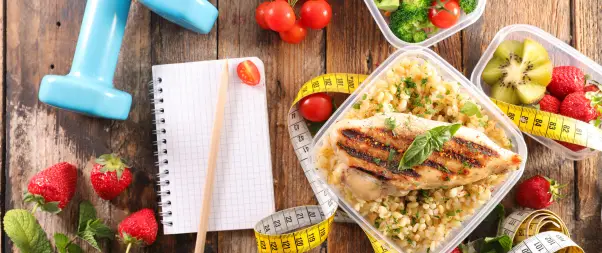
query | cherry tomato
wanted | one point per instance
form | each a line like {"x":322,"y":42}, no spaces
{"x":280,"y":16}
{"x":295,"y":35}
{"x":316,"y":107}
{"x":260,"y":13}
{"x":316,"y":14}
{"x":248,"y":73}
{"x":444,"y":13}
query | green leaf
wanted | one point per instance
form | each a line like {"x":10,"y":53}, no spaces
{"x":25,"y":232}
{"x":471,"y":109}
{"x":51,"y":207}
{"x":392,"y":154}
{"x":356,"y":106}
{"x":88,"y":236}
{"x":424,"y":145}
{"x":500,"y":244}
{"x":63,"y":245}
{"x":390,"y":123}
{"x":86,"y":213}
{"x":100,"y":229}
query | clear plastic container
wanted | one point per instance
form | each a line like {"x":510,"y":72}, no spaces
{"x":560,"y":53}
{"x":463,"y":22}
{"x":448,"y":72}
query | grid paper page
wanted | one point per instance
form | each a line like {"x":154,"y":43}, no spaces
{"x":243,"y":192}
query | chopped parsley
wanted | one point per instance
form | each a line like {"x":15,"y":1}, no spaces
{"x":364,"y":96}
{"x":392,"y":153}
{"x":390,"y":123}
{"x":429,"y":111}
{"x":376,"y":160}
{"x":356,"y":106}
{"x":380,"y":107}
{"x":443,"y":168}
{"x":417,"y":216}
{"x":424,"y":193}
{"x":409,"y":241}
{"x":447,"y":178}
{"x":440,"y":96}
{"x":377,"y":222}
{"x":482,"y":123}
{"x":447,"y":92}
{"x":427,"y":100}
{"x":409,"y":83}
{"x":404,"y":212}
{"x":450,"y":213}
{"x":466,"y":164}
{"x":424,"y":81}
{"x":437,"y":216}
{"x":396,"y":231}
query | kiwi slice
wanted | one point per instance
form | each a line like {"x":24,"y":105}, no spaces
{"x":518,"y":72}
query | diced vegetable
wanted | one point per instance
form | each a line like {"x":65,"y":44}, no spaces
{"x":387,"y":5}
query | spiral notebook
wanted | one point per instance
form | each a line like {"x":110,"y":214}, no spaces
{"x":184,"y":97}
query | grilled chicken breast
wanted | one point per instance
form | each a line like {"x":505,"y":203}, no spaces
{"x":368,"y":154}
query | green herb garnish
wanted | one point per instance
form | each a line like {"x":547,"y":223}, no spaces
{"x":390,"y":123}
{"x":392,"y":153}
{"x":424,"y":144}
{"x":471,"y":109}
{"x":409,"y":83}
{"x":377,"y":222}
{"x":364,"y":96}
{"x":376,"y":160}
{"x":443,"y":168}
{"x":356,"y":106}
{"x":424,"y":81}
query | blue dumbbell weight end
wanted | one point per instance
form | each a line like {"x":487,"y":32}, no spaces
{"x":88,"y":88}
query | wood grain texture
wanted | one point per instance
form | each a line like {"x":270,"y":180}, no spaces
{"x":587,"y":38}
{"x":354,"y":44}
{"x":41,"y":36}
{"x":2,"y":117}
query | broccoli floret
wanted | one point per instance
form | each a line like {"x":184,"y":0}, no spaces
{"x":468,"y":6}
{"x":410,"y":22}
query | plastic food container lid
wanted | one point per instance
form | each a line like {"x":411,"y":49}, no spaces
{"x":463,"y":22}
{"x":560,"y":53}
{"x":447,"y":72}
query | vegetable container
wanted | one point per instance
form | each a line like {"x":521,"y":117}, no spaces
{"x":560,"y":53}
{"x":464,"y":21}
{"x":447,"y":72}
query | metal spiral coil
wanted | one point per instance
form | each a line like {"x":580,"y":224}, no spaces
{"x":163,"y":193}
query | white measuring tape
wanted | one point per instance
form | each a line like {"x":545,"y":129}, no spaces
{"x":300,"y":229}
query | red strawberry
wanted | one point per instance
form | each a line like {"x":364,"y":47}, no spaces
{"x":571,"y":146}
{"x":577,"y":106}
{"x":456,"y":250}
{"x":52,"y":189}
{"x":138,"y":228}
{"x":537,"y":192}
{"x":549,"y":103}
{"x":110,"y":176}
{"x":590,"y":88}
{"x":566,"y":80}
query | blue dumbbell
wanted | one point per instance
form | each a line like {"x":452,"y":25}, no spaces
{"x":88,"y":88}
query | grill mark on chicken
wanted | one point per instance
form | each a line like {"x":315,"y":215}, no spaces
{"x":390,"y":166}
{"x":355,"y":135}
{"x":476,"y":148}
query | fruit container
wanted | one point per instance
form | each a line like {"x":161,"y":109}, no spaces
{"x":560,"y":53}
{"x":464,"y":21}
{"x":447,"y":72}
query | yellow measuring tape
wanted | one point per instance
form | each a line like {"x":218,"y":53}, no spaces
{"x":300,"y":229}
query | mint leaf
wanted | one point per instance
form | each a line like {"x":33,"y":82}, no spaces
{"x":61,"y":242}
{"x":25,"y":232}
{"x":88,"y":236}
{"x":424,"y":145}
{"x":63,"y":245}
{"x":100,"y":229}
{"x":471,"y":109}
{"x":86,"y":213}
{"x":500,"y":244}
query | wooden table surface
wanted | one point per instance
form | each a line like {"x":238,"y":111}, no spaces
{"x":39,"y":38}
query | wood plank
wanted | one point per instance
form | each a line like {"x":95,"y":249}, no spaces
{"x":287,"y":67}
{"x":41,"y":39}
{"x":587,"y":38}
{"x":2,"y":117}
{"x":354,"y":44}
{"x":173,"y":44}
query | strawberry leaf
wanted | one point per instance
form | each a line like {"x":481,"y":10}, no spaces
{"x":51,"y":207}
{"x":25,"y":232}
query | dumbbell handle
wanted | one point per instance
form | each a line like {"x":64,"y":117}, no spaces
{"x":100,"y":39}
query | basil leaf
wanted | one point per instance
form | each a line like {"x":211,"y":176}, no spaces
{"x":424,"y":145}
{"x":471,"y":109}
{"x":417,"y":152}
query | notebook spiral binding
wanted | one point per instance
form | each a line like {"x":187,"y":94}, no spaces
{"x":155,"y":90}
